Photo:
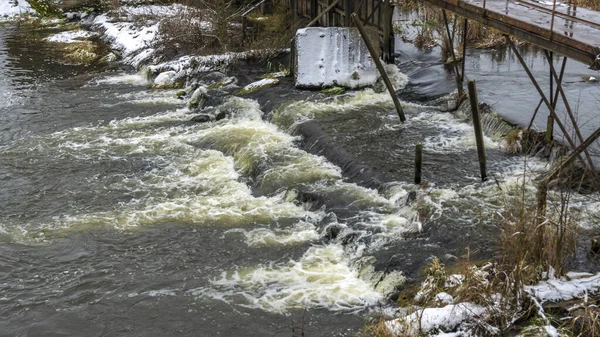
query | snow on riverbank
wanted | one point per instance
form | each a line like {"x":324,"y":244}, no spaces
{"x":135,"y":39}
{"x":458,"y":319}
{"x":10,"y":9}
{"x":73,"y":36}
{"x":563,"y":289}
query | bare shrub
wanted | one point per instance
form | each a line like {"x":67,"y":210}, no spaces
{"x":377,"y":329}
{"x":187,"y":33}
{"x":538,"y":244}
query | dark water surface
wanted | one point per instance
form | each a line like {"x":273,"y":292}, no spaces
{"x":119,"y":217}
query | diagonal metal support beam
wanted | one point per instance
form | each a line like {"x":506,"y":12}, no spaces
{"x":568,"y":107}
{"x":537,"y":87}
{"x":560,"y":78}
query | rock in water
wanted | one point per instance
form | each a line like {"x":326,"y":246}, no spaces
{"x":255,"y":86}
{"x":166,"y":80}
{"x":202,"y":118}
{"x":198,"y":98}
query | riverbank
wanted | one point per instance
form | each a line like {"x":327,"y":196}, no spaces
{"x":371,"y":149}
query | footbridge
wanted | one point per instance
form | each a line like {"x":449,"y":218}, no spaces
{"x":555,"y":26}
{"x":559,"y":28}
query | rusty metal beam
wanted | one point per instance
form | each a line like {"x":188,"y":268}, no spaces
{"x":568,"y":107}
{"x":525,"y":31}
{"x":541,"y":92}
{"x":560,"y":78}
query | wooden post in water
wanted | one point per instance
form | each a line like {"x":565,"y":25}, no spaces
{"x":549,"y":129}
{"x":478,"y":130}
{"x":418,"y":163}
{"x":379,"y":65}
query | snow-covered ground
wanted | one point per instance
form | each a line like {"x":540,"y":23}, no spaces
{"x":455,"y":319}
{"x":11,"y":8}
{"x":70,"y":36}
{"x":579,"y":285}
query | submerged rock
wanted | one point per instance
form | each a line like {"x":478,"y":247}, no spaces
{"x":210,"y":115}
{"x":202,"y":118}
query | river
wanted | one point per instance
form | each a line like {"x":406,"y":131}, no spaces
{"x":120,"y":217}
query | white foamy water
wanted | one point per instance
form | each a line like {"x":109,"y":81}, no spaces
{"x":300,"y":233}
{"x":321,"y":278}
{"x":199,"y":178}
{"x":134,"y":79}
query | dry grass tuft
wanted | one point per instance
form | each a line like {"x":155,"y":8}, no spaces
{"x":377,"y":329}
{"x":216,"y":26}
{"x":586,"y":319}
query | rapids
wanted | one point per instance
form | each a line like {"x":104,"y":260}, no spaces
{"x":120,"y":217}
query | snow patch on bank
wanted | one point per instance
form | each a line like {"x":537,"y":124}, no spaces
{"x":447,"y":318}
{"x":563,"y":289}
{"x":70,"y":36}
{"x":126,"y":36}
{"x":134,"y":32}
{"x":10,"y":9}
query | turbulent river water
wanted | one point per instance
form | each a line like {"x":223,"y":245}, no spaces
{"x":120,"y":217}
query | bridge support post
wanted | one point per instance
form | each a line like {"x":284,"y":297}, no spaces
{"x":459,"y":86}
{"x":314,"y":8}
{"x":464,"y":50}
{"x":388,"y":43}
{"x":348,"y":10}
{"x":294,"y":5}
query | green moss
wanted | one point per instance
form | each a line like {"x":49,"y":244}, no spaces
{"x":333,"y":91}
{"x":81,"y":52}
{"x":45,"y":8}
{"x":220,"y":84}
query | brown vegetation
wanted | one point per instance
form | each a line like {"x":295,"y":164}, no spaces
{"x":214,"y":26}
{"x":431,"y":30}
{"x":591,"y":4}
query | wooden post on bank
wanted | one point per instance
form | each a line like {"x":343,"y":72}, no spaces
{"x":478,"y":131}
{"x":418,"y":163}
{"x":379,"y":65}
